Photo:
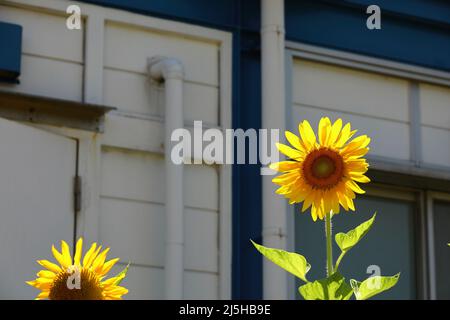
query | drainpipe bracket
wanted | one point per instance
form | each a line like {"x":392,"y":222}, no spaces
{"x":161,"y":68}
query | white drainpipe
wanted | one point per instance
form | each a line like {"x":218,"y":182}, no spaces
{"x":170,"y":71}
{"x":273,"y":117}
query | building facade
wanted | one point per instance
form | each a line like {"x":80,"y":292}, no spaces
{"x":83,"y":124}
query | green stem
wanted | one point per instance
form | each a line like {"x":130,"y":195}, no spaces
{"x":329,"y":244}
{"x":338,"y":262}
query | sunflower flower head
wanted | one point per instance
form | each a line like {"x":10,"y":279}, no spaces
{"x":323,"y":170}
{"x":77,"y":278}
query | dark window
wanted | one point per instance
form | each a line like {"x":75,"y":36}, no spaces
{"x":390,"y":244}
{"x":441,"y":217}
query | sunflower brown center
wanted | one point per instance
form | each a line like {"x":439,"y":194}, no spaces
{"x":77,"y":285}
{"x":323,"y":168}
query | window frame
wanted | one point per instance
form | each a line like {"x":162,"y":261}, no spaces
{"x":431,"y":197}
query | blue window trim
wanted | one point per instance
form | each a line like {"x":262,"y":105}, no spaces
{"x":419,"y":21}
{"x":10,"y":52}
{"x":247,"y":220}
{"x":219,"y":14}
{"x":408,"y":38}
{"x":425,"y":11}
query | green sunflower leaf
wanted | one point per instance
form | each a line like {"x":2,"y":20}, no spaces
{"x":332,"y":288}
{"x":122,"y":274}
{"x":348,"y":240}
{"x":291,"y":262}
{"x":373,"y":286}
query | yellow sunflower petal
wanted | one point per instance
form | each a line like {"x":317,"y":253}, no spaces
{"x":45,"y":286}
{"x":307,"y":134}
{"x":284,"y":166}
{"x":65,"y":251}
{"x":357,"y":167}
{"x":335,"y":131}
{"x":59,"y":257}
{"x":108,"y":265}
{"x":100,"y":260}
{"x":43,"y":283}
{"x":43,"y":280}
{"x":359,"y":178}
{"x":314,"y":215}
{"x":335,"y":203}
{"x":351,"y":205}
{"x":283,"y":190}
{"x":50,"y":266}
{"x":110,"y":281}
{"x":307,"y":203}
{"x":352,"y":185}
{"x":89,"y":254}
{"x":316,"y":212}
{"x":345,"y":135}
{"x":116,"y":290}
{"x":78,"y":252}
{"x":357,"y":143}
{"x":46,"y":274}
{"x":93,"y":257}
{"x":286,"y":178}
{"x":42,"y":295}
{"x":324,"y":130}
{"x":342,"y":200}
{"x":320,"y":205}
{"x":289,"y":152}
{"x":295,"y":141}
{"x":299,"y":194}
{"x":356,"y":153}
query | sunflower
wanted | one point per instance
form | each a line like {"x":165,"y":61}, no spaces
{"x":322,"y":172}
{"x":78,"y":281}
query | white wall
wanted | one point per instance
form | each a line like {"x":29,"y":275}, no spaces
{"x":125,"y":208}
{"x":132,"y":199}
{"x":376,"y":105}
{"x":435,"y":111}
{"x":50,"y":52}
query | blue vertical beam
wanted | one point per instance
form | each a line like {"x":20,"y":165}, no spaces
{"x":10,"y":51}
{"x":247,"y":220}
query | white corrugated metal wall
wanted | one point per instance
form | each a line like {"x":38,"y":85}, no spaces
{"x":378,"y":105}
